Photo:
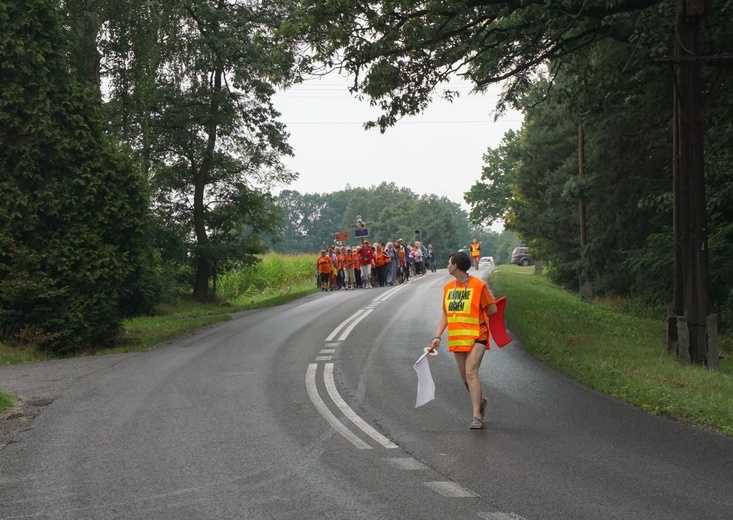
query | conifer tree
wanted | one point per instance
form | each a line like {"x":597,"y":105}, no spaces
{"x":74,"y":208}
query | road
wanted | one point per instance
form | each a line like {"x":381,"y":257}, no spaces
{"x":307,"y":411}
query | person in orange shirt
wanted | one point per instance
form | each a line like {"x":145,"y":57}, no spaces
{"x":381,"y":259}
{"x":402,"y":271}
{"x":340,"y":268}
{"x":467,"y":305}
{"x":334,"y":255}
{"x":349,"y":261}
{"x":357,"y":266}
{"x":325,"y":266}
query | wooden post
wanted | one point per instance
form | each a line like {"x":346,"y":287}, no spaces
{"x":683,"y":339}
{"x":713,"y":342}
{"x":672,"y":345}
{"x":692,"y":204}
{"x":677,"y":307}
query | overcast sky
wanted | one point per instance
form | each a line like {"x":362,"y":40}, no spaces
{"x":439,"y":152}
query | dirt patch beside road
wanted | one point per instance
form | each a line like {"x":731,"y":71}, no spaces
{"x":14,"y":420}
{"x":38,"y":384}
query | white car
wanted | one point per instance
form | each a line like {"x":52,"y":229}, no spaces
{"x":486,"y":261}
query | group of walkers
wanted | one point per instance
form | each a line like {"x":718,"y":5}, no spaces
{"x":378,"y":265}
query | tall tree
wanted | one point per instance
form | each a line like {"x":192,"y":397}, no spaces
{"x":400,"y":52}
{"x":200,"y":110}
{"x":491,"y":196}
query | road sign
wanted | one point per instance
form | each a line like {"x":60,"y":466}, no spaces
{"x":341,"y":236}
{"x":361,"y":232}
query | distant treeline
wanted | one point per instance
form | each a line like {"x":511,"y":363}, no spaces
{"x":389,"y":213}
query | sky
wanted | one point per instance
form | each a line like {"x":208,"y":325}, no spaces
{"x":439,"y":152}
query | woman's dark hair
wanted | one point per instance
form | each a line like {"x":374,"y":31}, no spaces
{"x":461,"y":261}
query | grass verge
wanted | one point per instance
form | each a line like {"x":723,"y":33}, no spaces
{"x":186,"y":316}
{"x":173,"y":320}
{"x":611,"y":351}
{"x":6,"y":401}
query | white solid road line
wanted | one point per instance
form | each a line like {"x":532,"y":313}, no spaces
{"x":354,"y":324}
{"x":343,"y":324}
{"x":348,"y":412}
{"x":310,"y":385}
{"x":390,"y":293}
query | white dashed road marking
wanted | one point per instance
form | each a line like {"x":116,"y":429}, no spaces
{"x":324,"y":358}
{"x":450,"y":489}
{"x":500,"y":516}
{"x":407,"y":463}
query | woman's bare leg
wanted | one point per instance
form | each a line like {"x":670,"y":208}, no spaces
{"x":469,"y":364}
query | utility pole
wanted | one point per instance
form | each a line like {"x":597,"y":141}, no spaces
{"x":586,"y":289}
{"x":677,"y":308}
{"x":697,"y":329}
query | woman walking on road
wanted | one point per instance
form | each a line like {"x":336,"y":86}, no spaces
{"x":475,"y":252}
{"x":393,"y":263}
{"x":467,"y":305}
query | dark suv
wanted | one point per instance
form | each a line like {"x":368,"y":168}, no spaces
{"x":521,"y":256}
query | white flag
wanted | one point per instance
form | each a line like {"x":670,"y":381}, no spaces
{"x":425,"y":384}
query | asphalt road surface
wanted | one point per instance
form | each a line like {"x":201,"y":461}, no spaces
{"x":307,"y":411}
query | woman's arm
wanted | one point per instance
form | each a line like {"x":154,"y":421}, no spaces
{"x":442,"y":324}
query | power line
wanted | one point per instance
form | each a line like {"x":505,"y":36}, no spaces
{"x":406,"y":122}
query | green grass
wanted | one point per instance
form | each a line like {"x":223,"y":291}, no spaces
{"x":615,"y":352}
{"x":275,"y":272}
{"x":12,"y":356}
{"x":6,"y":401}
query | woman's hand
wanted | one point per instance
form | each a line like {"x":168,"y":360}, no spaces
{"x":434,"y":344}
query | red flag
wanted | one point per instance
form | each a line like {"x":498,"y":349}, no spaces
{"x":496,"y":324}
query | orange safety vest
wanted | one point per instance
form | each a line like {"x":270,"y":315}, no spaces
{"x":465,"y":308}
{"x":475,"y":249}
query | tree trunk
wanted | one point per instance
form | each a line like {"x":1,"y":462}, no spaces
{"x":203,"y":262}
{"x":86,"y":26}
